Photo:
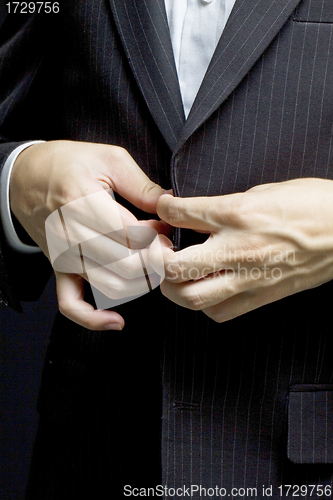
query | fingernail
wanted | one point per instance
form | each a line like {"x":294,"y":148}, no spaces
{"x":113,"y":326}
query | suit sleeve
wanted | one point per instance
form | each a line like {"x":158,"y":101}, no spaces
{"x":28,"y":98}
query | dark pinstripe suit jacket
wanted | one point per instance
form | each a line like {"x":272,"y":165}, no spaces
{"x":247,"y":403}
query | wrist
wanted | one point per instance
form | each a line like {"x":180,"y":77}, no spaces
{"x":19,"y":177}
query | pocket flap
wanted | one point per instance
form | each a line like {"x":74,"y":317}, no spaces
{"x":314,"y":11}
{"x":310,"y":424}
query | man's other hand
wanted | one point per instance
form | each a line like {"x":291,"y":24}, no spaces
{"x":265,"y":244}
{"x":49,"y":177}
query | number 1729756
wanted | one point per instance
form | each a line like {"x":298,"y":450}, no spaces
{"x":305,"y":490}
{"x":32,"y":7}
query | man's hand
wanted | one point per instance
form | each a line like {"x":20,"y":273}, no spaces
{"x":265,"y":244}
{"x":61,"y":177}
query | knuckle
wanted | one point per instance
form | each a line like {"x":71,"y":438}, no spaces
{"x":149,"y":187}
{"x":240,"y":213}
{"x":139,"y":237}
{"x":117,"y":290}
{"x":116,"y":156}
{"x":132,"y":271}
{"x":194,"y":300}
{"x":173,"y":272}
{"x":119,"y":152}
{"x":66,"y":308}
{"x":62,"y":308}
{"x":122,"y":269}
{"x":219,"y":314}
{"x":130,"y":268}
{"x":173,"y":211}
{"x":243,"y":211}
{"x":216,"y":317}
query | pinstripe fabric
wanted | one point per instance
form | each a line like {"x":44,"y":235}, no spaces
{"x":246,"y":35}
{"x":310,"y":421}
{"x":226,"y":398}
{"x":315,"y":11}
{"x":282,"y":115}
{"x":152,"y":61}
{"x":263,"y":114}
{"x":277,"y":125}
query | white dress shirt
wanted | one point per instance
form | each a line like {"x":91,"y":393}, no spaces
{"x":195,"y":29}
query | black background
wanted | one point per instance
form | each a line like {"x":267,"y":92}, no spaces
{"x":23,"y":340}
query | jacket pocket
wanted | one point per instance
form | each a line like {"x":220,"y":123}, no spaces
{"x":310,"y":424}
{"x":314,"y":11}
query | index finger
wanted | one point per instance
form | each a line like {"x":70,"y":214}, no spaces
{"x":207,"y":214}
{"x":191,"y":263}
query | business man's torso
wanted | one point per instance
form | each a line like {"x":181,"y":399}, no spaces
{"x":263,"y":114}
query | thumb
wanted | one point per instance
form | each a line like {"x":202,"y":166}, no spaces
{"x":130,"y":181}
{"x":70,"y":294}
{"x":200,"y":213}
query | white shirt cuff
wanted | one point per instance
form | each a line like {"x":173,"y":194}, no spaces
{"x":6,"y":217}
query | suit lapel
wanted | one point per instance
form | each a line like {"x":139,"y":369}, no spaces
{"x":144,"y":31}
{"x":250,"y":29}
